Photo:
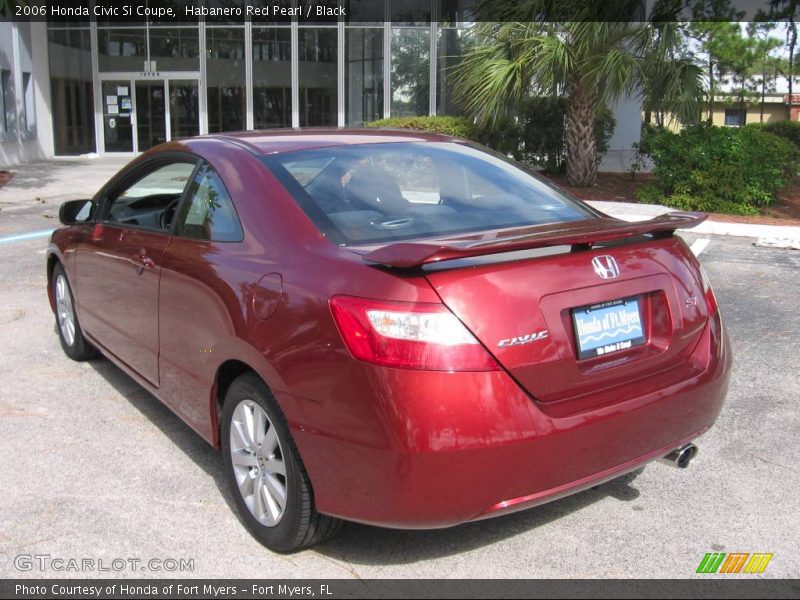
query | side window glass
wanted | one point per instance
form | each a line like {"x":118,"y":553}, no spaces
{"x":152,"y":200}
{"x":208,"y":213}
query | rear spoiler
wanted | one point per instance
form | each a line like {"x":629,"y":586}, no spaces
{"x":407,"y":255}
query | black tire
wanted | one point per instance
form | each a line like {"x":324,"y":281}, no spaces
{"x":78,"y":348}
{"x":300,"y":525}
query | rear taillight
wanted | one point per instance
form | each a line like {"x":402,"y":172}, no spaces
{"x":708,"y":293}
{"x":408,"y":335}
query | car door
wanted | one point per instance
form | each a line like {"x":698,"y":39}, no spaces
{"x":118,"y":267}
{"x":201,"y":292}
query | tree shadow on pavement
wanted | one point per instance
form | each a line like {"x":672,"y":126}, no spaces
{"x":364,"y":544}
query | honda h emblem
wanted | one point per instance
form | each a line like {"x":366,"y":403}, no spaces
{"x":605,"y":266}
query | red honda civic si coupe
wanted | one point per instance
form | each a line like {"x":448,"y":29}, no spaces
{"x":394,"y":328}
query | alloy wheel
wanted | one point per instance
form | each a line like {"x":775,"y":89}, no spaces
{"x":258,"y":465}
{"x":65,"y":310}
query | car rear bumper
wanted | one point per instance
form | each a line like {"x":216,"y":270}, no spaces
{"x":457,"y":447}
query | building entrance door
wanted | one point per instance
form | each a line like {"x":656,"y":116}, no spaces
{"x":140,"y":113}
{"x":117,"y":115}
{"x":151,"y":113}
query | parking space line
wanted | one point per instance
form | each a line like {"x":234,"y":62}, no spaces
{"x":699,"y":246}
{"x":26,"y":236}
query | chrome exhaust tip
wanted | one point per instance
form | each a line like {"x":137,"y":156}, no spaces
{"x":681,"y":457}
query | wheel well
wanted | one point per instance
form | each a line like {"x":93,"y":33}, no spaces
{"x":226,"y":374}
{"x":52,"y":260}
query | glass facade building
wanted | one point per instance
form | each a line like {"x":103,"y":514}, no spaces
{"x":124,"y":87}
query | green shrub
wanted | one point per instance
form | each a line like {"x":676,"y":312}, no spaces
{"x":785,"y":129}
{"x":650,"y":193}
{"x":719,"y":169}
{"x":543,"y":135}
{"x":455,"y":126}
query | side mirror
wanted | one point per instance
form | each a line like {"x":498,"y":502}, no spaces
{"x":76,"y":211}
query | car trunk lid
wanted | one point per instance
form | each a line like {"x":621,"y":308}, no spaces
{"x":524,"y":310}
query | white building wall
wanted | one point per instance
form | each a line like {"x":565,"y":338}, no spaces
{"x":24,"y":50}
{"x":628,"y":113}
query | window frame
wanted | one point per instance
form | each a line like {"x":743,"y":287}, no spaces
{"x":201,"y":164}
{"x":739,"y":113}
{"x":8,"y":116}
{"x":28,"y":105}
{"x":127,"y":179}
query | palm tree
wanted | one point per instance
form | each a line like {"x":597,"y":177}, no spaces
{"x":592,"y":62}
{"x":671,"y":81}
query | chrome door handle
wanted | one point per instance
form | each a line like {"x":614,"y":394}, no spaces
{"x":142,"y":262}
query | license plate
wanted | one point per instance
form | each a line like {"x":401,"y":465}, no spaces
{"x":608,"y":327}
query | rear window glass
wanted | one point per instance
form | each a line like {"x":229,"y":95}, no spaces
{"x":371,"y":193}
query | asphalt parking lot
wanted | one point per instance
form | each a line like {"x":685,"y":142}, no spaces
{"x":95,"y":467}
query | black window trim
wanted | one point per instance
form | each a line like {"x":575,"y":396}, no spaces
{"x":736,"y":114}
{"x":201,"y":162}
{"x":304,"y":201}
{"x":136,"y":173}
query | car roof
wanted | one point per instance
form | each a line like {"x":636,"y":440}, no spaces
{"x":277,"y":141}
